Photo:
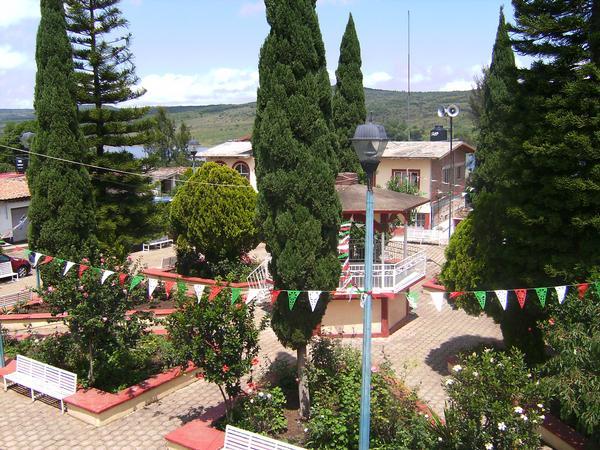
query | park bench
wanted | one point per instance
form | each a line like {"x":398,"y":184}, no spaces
{"x":156,"y":243}
{"x":7,"y":271}
{"x":239,"y":439}
{"x":43,"y":378}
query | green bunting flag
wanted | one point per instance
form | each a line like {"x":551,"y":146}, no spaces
{"x":480,"y":298}
{"x":413,"y":298}
{"x":541,"y":293}
{"x":135,"y":281}
{"x":235,"y":294}
{"x":292,"y":296}
{"x":343,"y":256}
{"x":181,"y":287}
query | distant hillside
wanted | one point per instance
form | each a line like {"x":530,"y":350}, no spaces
{"x":218,"y":123}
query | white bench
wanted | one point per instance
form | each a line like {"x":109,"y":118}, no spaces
{"x":156,"y":243}
{"x":43,"y":378}
{"x":7,"y":271}
{"x":239,"y":439}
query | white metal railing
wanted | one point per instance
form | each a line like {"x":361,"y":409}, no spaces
{"x":392,"y":277}
{"x":260,"y":278}
{"x":421,"y":235}
{"x":15,"y":299}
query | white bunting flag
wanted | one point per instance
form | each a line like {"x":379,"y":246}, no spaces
{"x":561,"y":291}
{"x":502,"y":297}
{"x":353,"y":290}
{"x":68,"y":267}
{"x":343,"y":248}
{"x":36,"y":258}
{"x":152,"y":284}
{"x":252,"y":294}
{"x":363,"y":299}
{"x":105,"y":275}
{"x":199,"y":289}
{"x":438,"y":299}
{"x":313,"y":298}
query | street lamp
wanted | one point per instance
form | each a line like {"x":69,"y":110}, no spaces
{"x":193,"y":144}
{"x":450,"y":111}
{"x":369,"y":141}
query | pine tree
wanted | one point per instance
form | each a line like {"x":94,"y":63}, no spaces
{"x":349,"y":98}
{"x":295,"y":152}
{"x":62,"y":206}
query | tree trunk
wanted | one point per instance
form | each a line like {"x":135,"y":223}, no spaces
{"x":303,"y":393}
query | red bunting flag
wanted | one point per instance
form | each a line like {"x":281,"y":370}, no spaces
{"x":582,"y":288}
{"x":214,"y":292}
{"x":454,"y":295}
{"x":274,"y":295}
{"x":169,"y":285}
{"x":82,"y":269}
{"x":521,"y":294}
{"x":47,"y":259}
{"x":122,"y":278}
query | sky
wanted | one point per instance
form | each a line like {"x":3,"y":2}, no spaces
{"x":200,"y":52}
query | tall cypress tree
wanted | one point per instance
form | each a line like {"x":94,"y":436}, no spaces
{"x":295,"y":152}
{"x":348,"y":102}
{"x":62,"y":206}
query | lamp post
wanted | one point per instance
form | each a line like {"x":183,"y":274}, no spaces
{"x":369,"y":141}
{"x":193,"y":144}
{"x":450,"y":111}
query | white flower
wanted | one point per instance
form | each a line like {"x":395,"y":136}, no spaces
{"x":539,"y":405}
{"x":542,"y":417}
{"x":475,"y":374}
{"x":500,"y":365}
{"x":518,"y":410}
{"x":528,"y":375}
{"x":492,"y":360}
{"x":449,"y":382}
{"x":524,"y":417}
{"x":473,"y":354}
{"x":306,"y":430}
{"x":261,"y":394}
{"x":488,"y":446}
{"x":251,"y":400}
{"x":269,"y":396}
{"x":487,"y":350}
{"x":457,"y":368}
{"x":502,"y":426}
{"x":440,"y":439}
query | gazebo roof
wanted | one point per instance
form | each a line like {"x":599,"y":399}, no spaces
{"x":354,"y":197}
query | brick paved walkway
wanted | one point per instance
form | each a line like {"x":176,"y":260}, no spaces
{"x":421,"y":347}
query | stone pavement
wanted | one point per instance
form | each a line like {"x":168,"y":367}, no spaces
{"x":419,"y":350}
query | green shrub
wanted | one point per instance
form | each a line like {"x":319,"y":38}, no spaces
{"x":495,"y":402}
{"x":261,"y":411}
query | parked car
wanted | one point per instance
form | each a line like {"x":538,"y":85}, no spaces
{"x":20,"y":266}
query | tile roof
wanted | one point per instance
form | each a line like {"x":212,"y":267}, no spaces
{"x":423,"y":149}
{"x":13,"y":187}
{"x":233,"y":149}
{"x":166,"y":172}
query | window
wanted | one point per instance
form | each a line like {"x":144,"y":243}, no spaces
{"x":413,"y":176}
{"x":459,"y":172}
{"x":243,"y":169}
{"x":446,"y":175}
{"x":421,"y":220}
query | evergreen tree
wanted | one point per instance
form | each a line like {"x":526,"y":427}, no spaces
{"x":62,"y":206}
{"x":349,"y":98}
{"x":295,"y":152}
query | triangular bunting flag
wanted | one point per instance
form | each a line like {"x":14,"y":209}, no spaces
{"x":169,"y":285}
{"x":292,"y":296}
{"x":363,"y":299}
{"x":214,"y":292}
{"x":274,"y":295}
{"x":541,"y":293}
{"x":181,"y":287}
{"x":313,"y":298}
{"x":122,"y":278}
{"x":343,"y":256}
{"x":521,"y":295}
{"x":47,"y":259}
{"x":135,"y":281}
{"x":343,"y":247}
{"x":345,"y":226}
{"x":28,"y":252}
{"x":82,"y":268}
{"x":454,"y":295}
{"x":561,"y":291}
{"x":480,"y":298}
{"x":413,"y":299}
{"x":346,"y":265}
{"x":152,"y":284}
{"x":105,"y":275}
{"x":438,"y":300}
{"x":68,"y":267}
{"x":36,"y":258}
{"x":199,"y":290}
{"x":582,"y":289}
{"x":502,"y":295}
{"x":252,"y":294}
{"x":235,"y":294}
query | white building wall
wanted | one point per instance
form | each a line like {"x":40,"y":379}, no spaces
{"x":5,"y":215}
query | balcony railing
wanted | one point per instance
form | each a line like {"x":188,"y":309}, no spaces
{"x":389,"y":277}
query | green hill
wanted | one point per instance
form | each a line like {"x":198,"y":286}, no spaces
{"x":218,"y":123}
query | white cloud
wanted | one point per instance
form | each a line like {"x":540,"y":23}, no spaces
{"x":252,"y":8}
{"x":14,"y":11}
{"x":222,"y":85}
{"x":332,"y":77}
{"x":9,"y":59}
{"x":458,"y":85}
{"x":372,"y":79}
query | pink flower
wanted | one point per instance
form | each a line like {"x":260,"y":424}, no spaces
{"x":86,"y":295}
{"x":85,"y":260}
{"x":255,"y":361}
{"x":374,"y":369}
{"x":225,"y":368}
{"x":551,"y":321}
{"x":50,"y":288}
{"x":101,"y":260}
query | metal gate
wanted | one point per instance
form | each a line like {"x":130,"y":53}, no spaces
{"x":19,"y":223}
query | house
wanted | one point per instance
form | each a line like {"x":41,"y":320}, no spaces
{"x":14,"y":203}
{"x":426,"y":164}
{"x":165,"y":179}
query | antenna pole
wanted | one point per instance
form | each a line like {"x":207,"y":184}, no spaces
{"x":408,"y":80}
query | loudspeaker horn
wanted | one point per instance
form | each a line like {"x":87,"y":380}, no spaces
{"x":453,"y":110}
{"x":441,"y":111}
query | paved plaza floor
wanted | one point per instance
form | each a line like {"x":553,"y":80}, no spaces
{"x":419,"y":350}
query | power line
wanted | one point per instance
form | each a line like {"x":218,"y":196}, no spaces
{"x":122,"y":172}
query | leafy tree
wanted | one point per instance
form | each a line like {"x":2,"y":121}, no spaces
{"x":220,"y":337}
{"x":495,"y":402}
{"x":166,"y":141}
{"x":295,"y":153}
{"x":182,"y":139}
{"x":348,"y":103}
{"x":61,"y":213}
{"x":212,"y":221}
{"x":96,"y":314}
{"x":571,"y":375}
{"x":105,"y":75}
{"x":11,"y":137}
